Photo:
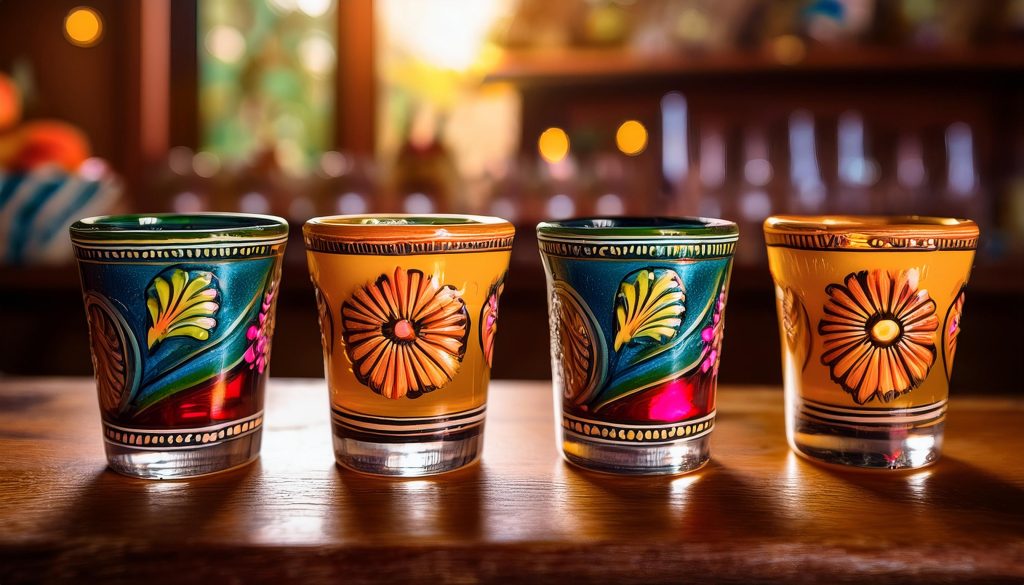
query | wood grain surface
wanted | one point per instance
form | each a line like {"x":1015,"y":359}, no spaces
{"x":756,"y":514}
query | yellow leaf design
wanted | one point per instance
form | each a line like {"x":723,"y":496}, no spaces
{"x":649,"y":307}
{"x":181,"y":304}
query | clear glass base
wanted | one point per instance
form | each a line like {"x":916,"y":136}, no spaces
{"x":408,"y":459}
{"x":892,"y":448}
{"x":181,"y":464}
{"x":660,"y":459}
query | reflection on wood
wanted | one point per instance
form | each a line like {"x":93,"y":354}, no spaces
{"x":756,"y":513}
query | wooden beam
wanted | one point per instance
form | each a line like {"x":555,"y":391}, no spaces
{"x":356,"y":95}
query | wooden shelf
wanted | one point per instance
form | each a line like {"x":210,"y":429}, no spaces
{"x":567,"y":66}
{"x":756,"y":513}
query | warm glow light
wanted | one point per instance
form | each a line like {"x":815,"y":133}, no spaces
{"x":788,"y":49}
{"x":631,"y":137}
{"x":317,"y":54}
{"x":83,"y":26}
{"x":553,"y":145}
{"x":225,"y":43}
{"x":448,"y":34}
{"x":314,"y":8}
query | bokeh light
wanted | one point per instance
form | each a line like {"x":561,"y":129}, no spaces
{"x":317,"y":54}
{"x":83,"y":27}
{"x":314,"y":8}
{"x":631,"y":137}
{"x":225,"y":43}
{"x":553,"y":145}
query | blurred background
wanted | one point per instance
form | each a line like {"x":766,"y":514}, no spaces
{"x":525,"y":109}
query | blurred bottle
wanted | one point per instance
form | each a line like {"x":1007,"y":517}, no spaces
{"x":425,"y":178}
{"x":253,"y":188}
{"x":754,"y":200}
{"x":177,"y":180}
{"x":559,"y":189}
{"x":608,"y":191}
{"x":962,"y":196}
{"x":906,"y":188}
{"x":1013,"y":215}
{"x":508,"y":193}
{"x":856,"y":173}
{"x":712,"y":169}
{"x":808,"y":192}
{"x":349,"y":188}
{"x":681,"y":185}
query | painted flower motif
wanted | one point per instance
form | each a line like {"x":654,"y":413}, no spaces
{"x":326,"y":321}
{"x":796,"y":326}
{"x":878,"y":334}
{"x":260,"y":333}
{"x":648,"y":307}
{"x":574,"y":343}
{"x":405,"y":334}
{"x":489,"y":319}
{"x":952,"y":331}
{"x":712,"y":337}
{"x":181,"y":303}
{"x":108,"y":355}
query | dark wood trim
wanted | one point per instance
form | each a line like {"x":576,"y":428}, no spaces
{"x":355,"y":108}
{"x":184,"y":75}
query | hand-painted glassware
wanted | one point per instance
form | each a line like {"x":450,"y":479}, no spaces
{"x":408,"y":314}
{"x":869,"y":315}
{"x":637,"y":315}
{"x":181,"y":315}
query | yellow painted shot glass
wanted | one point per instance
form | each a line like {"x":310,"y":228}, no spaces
{"x":869,"y":315}
{"x":408,"y":314}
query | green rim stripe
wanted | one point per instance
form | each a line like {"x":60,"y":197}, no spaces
{"x":164,"y":227}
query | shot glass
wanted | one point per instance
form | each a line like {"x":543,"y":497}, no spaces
{"x":869,"y":316}
{"x":637,"y":313}
{"x":408,"y":313}
{"x":181,"y":316}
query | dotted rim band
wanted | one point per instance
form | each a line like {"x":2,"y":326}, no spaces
{"x":627,"y":434}
{"x":179,"y":439}
{"x":173,"y":253}
{"x":633,"y":250}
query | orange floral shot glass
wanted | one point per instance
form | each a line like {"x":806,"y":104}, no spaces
{"x":869,"y":315}
{"x":408,"y":315}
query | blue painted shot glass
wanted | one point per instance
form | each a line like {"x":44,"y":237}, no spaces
{"x":181,"y":317}
{"x":636,"y":313}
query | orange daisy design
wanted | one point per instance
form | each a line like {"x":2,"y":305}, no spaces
{"x":405,"y":334}
{"x":878,"y":334}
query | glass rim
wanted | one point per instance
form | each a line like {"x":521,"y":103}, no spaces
{"x":406,"y":225}
{"x":403,"y":233}
{"x":871,"y":232}
{"x":173,"y":227}
{"x":639,"y":227}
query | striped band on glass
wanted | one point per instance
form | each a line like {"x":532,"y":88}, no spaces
{"x":873,"y":418}
{"x":633,"y":434}
{"x":408,"y":426}
{"x":180,"y":439}
{"x":860,"y":242}
{"x":627,"y":249}
{"x":407,"y":248}
{"x":176,"y":251}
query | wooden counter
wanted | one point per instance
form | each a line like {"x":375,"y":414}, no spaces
{"x":755,"y":514}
